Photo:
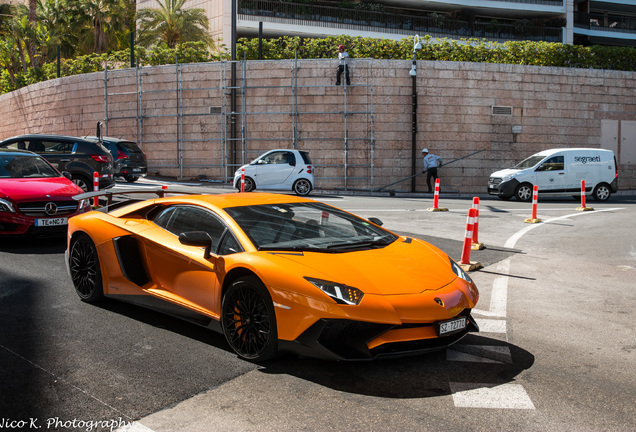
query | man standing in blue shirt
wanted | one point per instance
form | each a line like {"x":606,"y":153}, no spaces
{"x":431,"y":162}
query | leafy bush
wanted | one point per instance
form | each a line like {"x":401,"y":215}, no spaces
{"x":513,"y":52}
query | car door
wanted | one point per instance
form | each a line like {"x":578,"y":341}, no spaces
{"x":273,"y":170}
{"x":181,"y":273}
{"x":57,"y":152}
{"x":551,"y":174}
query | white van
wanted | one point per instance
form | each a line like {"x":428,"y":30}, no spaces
{"x":559,"y":172}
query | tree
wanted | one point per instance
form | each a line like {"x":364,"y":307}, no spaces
{"x":98,"y":24}
{"x":171,"y":23}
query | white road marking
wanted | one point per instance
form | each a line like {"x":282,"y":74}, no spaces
{"x":503,"y":396}
{"x":491,"y":325}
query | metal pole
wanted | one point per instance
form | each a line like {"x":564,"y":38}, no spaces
{"x":132,"y":48}
{"x":413,"y":124}
{"x":59,"y":54}
{"x":260,"y":40}
{"x":233,"y":89}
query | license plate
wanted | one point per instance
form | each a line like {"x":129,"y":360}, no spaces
{"x":452,"y":326}
{"x":136,"y":169}
{"x":51,"y":222}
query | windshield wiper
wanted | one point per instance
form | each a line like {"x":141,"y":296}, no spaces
{"x":361,"y":244}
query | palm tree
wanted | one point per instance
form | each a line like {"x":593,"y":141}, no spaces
{"x":171,"y":23}
{"x":98,"y":23}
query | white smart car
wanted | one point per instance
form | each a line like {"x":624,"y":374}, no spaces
{"x":278,"y":169}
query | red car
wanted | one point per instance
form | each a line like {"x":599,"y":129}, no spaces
{"x":35,"y":199}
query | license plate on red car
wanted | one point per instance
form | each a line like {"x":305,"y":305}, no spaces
{"x":51,"y":222}
{"x":451,"y":326}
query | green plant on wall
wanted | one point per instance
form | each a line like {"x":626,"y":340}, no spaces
{"x":469,"y":50}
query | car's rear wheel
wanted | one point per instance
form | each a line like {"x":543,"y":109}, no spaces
{"x":131,"y":178}
{"x":82,"y":181}
{"x":249,"y":320}
{"x":524,"y":192}
{"x":302,"y":187}
{"x":602,"y":192}
{"x":85,"y":270}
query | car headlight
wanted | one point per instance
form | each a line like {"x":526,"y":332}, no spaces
{"x":459,"y":271}
{"x":341,"y":293}
{"x":6,"y":206}
{"x":508,"y":177}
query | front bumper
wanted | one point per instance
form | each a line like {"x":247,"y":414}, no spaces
{"x":341,"y":339}
{"x":502,"y":188}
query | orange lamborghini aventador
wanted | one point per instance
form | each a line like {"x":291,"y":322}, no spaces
{"x":274,"y":273}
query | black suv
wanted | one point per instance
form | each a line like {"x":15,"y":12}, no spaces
{"x":130,"y":162}
{"x":79,"y":156}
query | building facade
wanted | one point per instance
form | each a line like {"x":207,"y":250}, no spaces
{"x":564,"y":21}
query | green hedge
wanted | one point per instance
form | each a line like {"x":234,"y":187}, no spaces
{"x":523,"y":53}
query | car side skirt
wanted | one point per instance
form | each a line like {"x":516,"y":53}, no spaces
{"x":174,"y":310}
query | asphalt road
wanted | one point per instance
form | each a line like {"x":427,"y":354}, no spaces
{"x":556,"y":352}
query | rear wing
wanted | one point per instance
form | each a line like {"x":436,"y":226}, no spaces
{"x":110,"y":193}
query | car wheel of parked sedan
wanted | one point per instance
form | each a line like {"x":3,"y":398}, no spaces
{"x":82,"y":181}
{"x":302,"y":187}
{"x":524,"y":192}
{"x":601,"y":192}
{"x":131,"y":178}
{"x":249,"y":320}
{"x":85,"y":271}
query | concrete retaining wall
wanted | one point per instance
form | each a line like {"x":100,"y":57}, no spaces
{"x":180,"y":116}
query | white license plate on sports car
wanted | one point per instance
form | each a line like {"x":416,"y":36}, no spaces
{"x":51,"y":222}
{"x":452,"y":326}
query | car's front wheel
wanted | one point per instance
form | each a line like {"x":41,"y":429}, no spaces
{"x":524,"y":192}
{"x":302,"y":187}
{"x":249,"y":185}
{"x":85,"y":271}
{"x":249,"y":320}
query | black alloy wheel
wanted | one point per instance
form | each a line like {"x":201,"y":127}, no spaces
{"x":85,"y":271}
{"x":249,"y":320}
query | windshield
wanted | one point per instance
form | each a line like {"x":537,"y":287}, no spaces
{"x":308,"y":226}
{"x":529,"y":162}
{"x":25,"y":165}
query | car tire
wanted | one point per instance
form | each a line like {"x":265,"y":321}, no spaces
{"x":524,"y":192}
{"x":82,"y":181}
{"x":85,"y":270}
{"x":302,"y":187}
{"x":249,"y":185}
{"x":131,"y":178}
{"x":249,"y":320}
{"x":602,"y":192}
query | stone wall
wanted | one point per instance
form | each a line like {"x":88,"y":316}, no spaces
{"x":359,"y":137}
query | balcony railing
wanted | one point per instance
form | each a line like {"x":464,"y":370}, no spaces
{"x":603,"y":22}
{"x":438,"y":25}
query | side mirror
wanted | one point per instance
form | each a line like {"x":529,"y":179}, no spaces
{"x":541,"y":168}
{"x":375,"y":220}
{"x":197,"y":238}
